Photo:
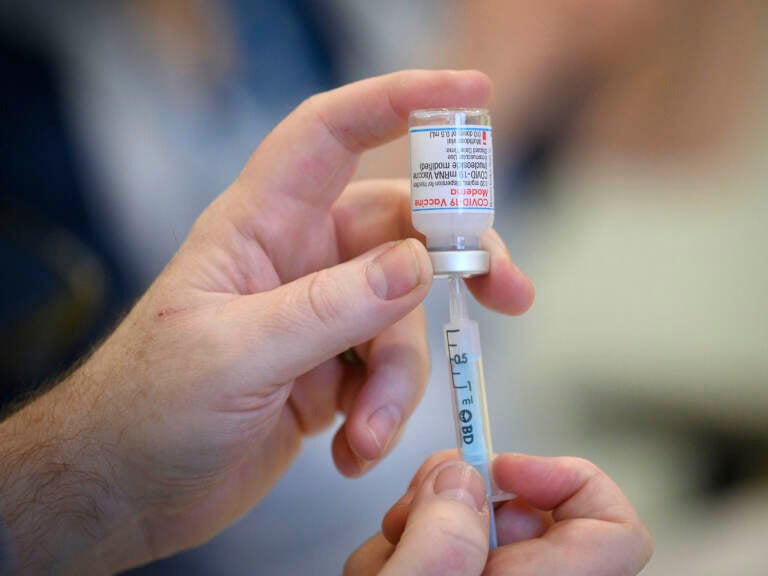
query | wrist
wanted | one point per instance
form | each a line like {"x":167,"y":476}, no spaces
{"x":63,"y":508}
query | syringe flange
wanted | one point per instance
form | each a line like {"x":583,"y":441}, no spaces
{"x":464,"y":262}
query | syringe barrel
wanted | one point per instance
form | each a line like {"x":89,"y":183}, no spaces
{"x":473,"y":435}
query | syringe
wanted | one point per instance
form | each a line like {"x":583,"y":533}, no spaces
{"x":452,"y":205}
{"x":462,"y":344}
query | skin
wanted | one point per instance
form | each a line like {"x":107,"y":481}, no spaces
{"x":568,"y":519}
{"x":192,"y":409}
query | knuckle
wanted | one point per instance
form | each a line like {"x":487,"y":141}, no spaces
{"x":647,"y":545}
{"x":315,"y":108}
{"x":585,"y":469}
{"x":356,"y":563}
{"x":430,"y":464}
{"x":584,"y":465}
{"x":310,"y":107}
{"x":323,"y":301}
{"x":456,"y":545}
{"x":637,"y":543}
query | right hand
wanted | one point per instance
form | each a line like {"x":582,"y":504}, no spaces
{"x":569,"y":519}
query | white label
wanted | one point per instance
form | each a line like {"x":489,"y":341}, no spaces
{"x":451,"y":168}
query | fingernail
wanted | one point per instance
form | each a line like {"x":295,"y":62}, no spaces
{"x":460,"y":481}
{"x":383,"y":423}
{"x":396,"y":272}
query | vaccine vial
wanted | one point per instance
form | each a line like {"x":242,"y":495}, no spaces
{"x":452,"y":186}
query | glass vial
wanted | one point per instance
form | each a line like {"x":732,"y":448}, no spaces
{"x":452,"y":185}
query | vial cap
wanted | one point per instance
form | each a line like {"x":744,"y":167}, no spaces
{"x":464,"y":262}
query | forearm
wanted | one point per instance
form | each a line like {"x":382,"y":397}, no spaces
{"x":60,"y":500}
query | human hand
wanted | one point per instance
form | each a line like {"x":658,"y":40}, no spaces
{"x":191,"y":410}
{"x":568,"y":519}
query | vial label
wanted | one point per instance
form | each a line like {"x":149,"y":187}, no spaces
{"x":451,"y":168}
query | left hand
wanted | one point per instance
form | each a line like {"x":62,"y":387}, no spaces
{"x":569,"y":519}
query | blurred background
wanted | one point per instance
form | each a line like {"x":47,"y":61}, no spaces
{"x":632,"y":185}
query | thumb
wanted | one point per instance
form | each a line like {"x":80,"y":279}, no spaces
{"x":447,"y":528}
{"x":305,"y":322}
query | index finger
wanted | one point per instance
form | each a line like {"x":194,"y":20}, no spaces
{"x":303,"y":164}
{"x":311,"y":154}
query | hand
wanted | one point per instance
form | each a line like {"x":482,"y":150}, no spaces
{"x":568,"y":519}
{"x":192,"y":409}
